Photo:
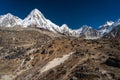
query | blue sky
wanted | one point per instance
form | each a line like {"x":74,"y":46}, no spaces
{"x":74,"y":13}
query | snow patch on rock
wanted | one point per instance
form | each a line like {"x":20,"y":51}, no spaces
{"x":55,"y":62}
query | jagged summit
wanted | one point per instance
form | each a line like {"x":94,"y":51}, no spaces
{"x":37,"y":19}
{"x":8,"y":14}
{"x":65,"y":27}
{"x":9,"y":20}
{"x":34,"y":18}
{"x":109,"y":23}
{"x":35,"y":11}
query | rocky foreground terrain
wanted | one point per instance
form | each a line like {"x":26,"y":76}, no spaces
{"x":34,"y":54}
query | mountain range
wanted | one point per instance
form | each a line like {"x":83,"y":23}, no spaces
{"x":35,"y":48}
{"x":37,"y":19}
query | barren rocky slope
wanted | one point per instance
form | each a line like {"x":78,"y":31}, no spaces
{"x":32,"y":54}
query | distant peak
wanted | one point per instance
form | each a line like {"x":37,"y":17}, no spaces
{"x":65,"y":26}
{"x":109,"y":22}
{"x":36,"y":11}
{"x":85,"y":26}
{"x":90,"y":27}
{"x":9,"y":14}
{"x":117,"y":21}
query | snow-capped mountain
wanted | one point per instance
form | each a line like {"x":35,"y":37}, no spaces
{"x":91,"y":33}
{"x":114,"y":33}
{"x":37,"y":19}
{"x":64,"y":29}
{"x":107,"y":24}
{"x":9,"y":20}
{"x":106,"y":28}
{"x":112,"y":30}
